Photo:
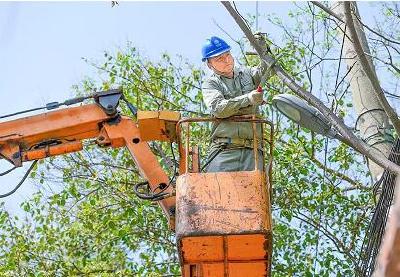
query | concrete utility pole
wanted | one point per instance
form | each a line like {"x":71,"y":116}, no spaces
{"x":372,"y":121}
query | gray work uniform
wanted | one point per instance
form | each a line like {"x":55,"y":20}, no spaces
{"x":225,"y":97}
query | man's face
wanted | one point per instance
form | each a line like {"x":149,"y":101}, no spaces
{"x":222,"y":64}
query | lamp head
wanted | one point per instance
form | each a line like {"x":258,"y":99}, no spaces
{"x":303,"y":114}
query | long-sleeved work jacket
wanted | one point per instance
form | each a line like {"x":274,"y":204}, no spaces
{"x":225,"y":97}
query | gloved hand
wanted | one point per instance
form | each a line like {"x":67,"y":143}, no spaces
{"x":255,"y":97}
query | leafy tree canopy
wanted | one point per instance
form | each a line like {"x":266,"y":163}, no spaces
{"x":86,"y":220}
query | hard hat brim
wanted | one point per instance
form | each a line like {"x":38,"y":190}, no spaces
{"x":216,"y":54}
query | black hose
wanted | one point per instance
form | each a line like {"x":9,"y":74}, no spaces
{"x":153,"y":197}
{"x":51,"y":106}
{"x":7,"y":171}
{"x":21,"y":182}
{"x":22,"y":112}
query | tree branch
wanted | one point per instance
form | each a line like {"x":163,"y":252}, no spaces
{"x":317,"y":226}
{"x":347,"y":135}
{"x":342,"y":176}
{"x":376,"y":32}
{"x":327,"y":10}
{"x":236,"y":41}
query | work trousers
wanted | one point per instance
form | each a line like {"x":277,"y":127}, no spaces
{"x":234,"y":159}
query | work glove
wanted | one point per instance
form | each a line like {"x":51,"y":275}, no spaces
{"x":255,"y":97}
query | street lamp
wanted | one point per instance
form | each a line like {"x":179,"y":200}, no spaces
{"x":302,"y":113}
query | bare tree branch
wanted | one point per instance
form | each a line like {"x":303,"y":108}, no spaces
{"x":331,"y":13}
{"x":376,"y":32}
{"x":233,"y":39}
{"x":327,"y":10}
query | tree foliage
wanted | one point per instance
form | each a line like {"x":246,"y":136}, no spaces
{"x":86,"y":220}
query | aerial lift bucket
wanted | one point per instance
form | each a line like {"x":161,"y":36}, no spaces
{"x":223,"y":219}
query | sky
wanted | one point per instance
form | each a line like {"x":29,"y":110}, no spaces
{"x":42,"y":45}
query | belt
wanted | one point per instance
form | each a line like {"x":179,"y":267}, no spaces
{"x":236,"y":141}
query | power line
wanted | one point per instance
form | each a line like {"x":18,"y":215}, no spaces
{"x":376,"y":228}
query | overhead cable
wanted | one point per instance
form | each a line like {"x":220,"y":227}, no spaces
{"x":377,"y":226}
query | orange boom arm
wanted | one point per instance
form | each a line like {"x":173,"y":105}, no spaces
{"x":62,"y":131}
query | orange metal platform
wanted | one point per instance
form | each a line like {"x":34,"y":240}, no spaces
{"x":223,"y":224}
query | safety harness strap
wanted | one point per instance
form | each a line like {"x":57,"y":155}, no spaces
{"x":235,"y":141}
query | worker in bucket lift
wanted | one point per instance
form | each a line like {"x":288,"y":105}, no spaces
{"x":231,"y":90}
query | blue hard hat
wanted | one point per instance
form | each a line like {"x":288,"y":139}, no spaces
{"x":214,"y":47}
